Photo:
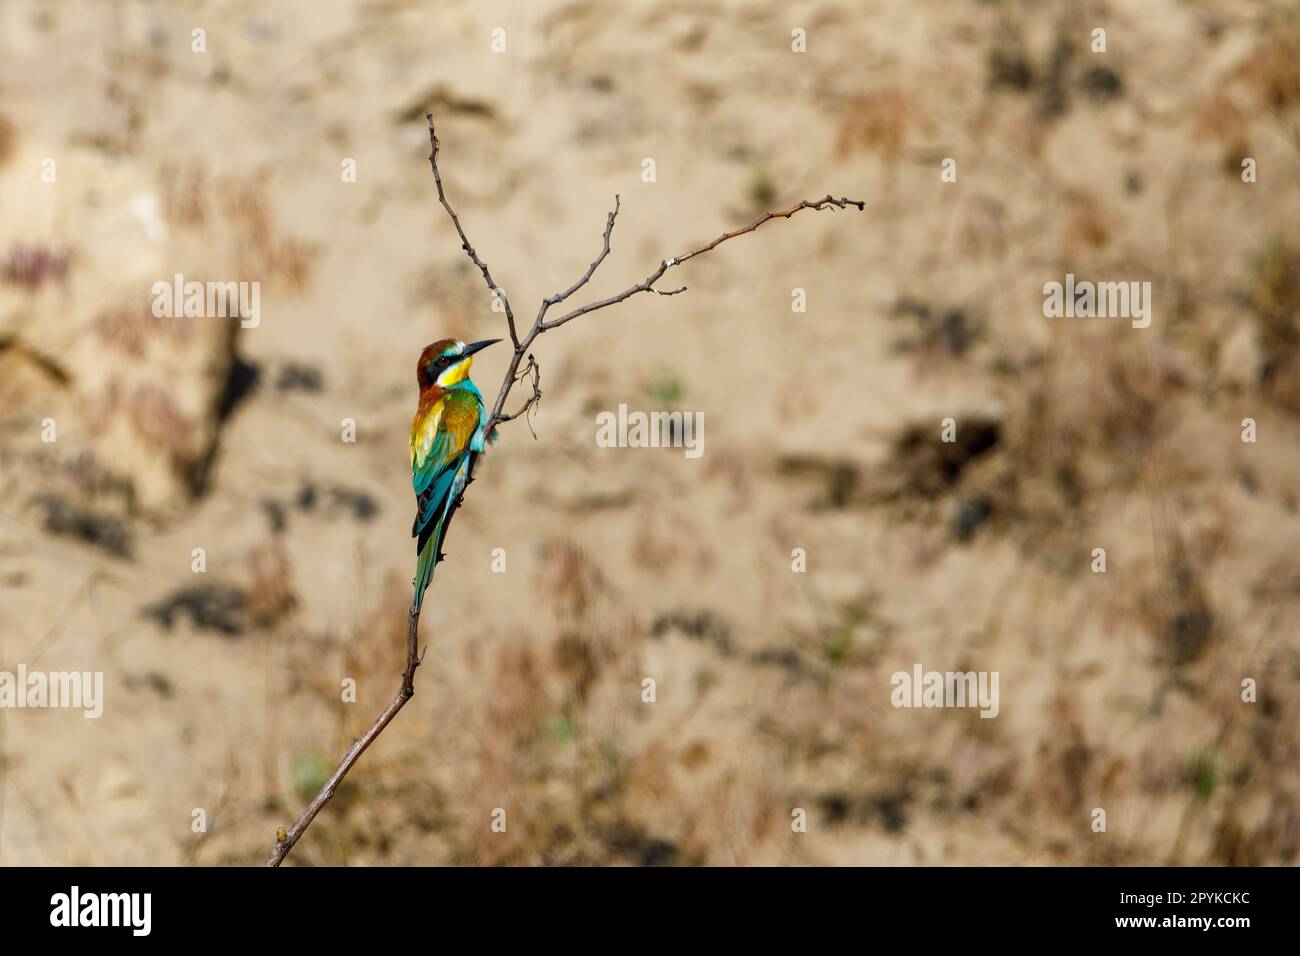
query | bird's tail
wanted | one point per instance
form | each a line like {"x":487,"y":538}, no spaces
{"x":442,"y":501}
{"x":424,"y":565}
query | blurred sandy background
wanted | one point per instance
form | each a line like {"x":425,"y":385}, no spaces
{"x":1119,"y":690}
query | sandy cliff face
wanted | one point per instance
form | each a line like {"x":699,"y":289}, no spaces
{"x":824,"y":353}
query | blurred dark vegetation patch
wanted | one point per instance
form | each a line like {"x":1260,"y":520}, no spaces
{"x":29,"y":267}
{"x":39,"y":360}
{"x":155,"y":681}
{"x":221,"y":608}
{"x":1274,"y":68}
{"x":571,"y":579}
{"x":310,"y":771}
{"x":787,"y":658}
{"x":1221,"y":120}
{"x":762,"y":190}
{"x":441,"y":102}
{"x":971,"y":512}
{"x":665,"y":387}
{"x":1274,"y":298}
{"x":1188,"y":630}
{"x":907,"y":788}
{"x":277,"y":515}
{"x":299,"y":377}
{"x":1101,"y":84}
{"x":331,"y":501}
{"x":271,"y":595}
{"x":931,"y":466}
{"x":944,"y":329}
{"x":101,"y":530}
{"x":631,"y":842}
{"x":8,"y":137}
{"x":360,"y":503}
{"x":1052,"y":77}
{"x":336,"y":498}
{"x":852,"y":633}
{"x":1009,"y":67}
{"x":82,"y":476}
{"x":578,"y":658}
{"x":1054,"y":90}
{"x":1185,"y":621}
{"x":837,"y":478}
{"x":1060,"y":453}
{"x":702,"y":625}
{"x":1204,"y":772}
{"x":888,"y":809}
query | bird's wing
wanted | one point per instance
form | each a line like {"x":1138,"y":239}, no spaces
{"x":424,"y":464}
{"x":435,"y":462}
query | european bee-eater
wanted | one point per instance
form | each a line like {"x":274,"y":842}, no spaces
{"x":446,"y":435}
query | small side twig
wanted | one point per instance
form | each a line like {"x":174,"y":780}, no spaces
{"x":535,"y":370}
{"x":531,"y":372}
{"x":559,"y":297}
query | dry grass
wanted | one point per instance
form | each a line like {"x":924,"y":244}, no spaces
{"x":878,"y":122}
{"x":1275,"y":308}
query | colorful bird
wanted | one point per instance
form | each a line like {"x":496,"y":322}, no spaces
{"x":446,"y":436}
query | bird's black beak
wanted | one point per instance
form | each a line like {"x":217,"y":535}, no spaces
{"x":478,"y":346}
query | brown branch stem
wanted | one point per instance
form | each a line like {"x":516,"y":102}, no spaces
{"x":286,"y":839}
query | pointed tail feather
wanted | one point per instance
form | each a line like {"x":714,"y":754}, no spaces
{"x":431,"y":534}
{"x":430,"y":547}
{"x":424,"y":566}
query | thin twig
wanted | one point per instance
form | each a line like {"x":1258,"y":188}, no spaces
{"x":535,"y":370}
{"x":531,"y":372}
{"x":464,"y":241}
{"x":647,"y":284}
{"x":559,"y":297}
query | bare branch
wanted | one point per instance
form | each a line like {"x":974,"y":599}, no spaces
{"x":826,"y":201}
{"x":647,"y":284}
{"x":531,"y":372}
{"x":464,"y":240}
